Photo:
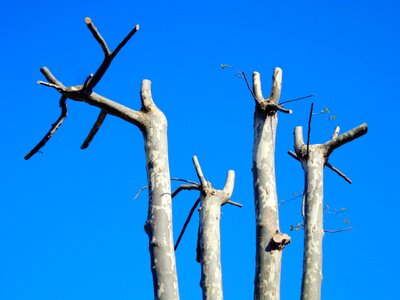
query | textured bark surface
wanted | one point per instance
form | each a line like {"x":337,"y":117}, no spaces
{"x":209,"y":249}
{"x":211,"y":274}
{"x":268,"y":254}
{"x":313,"y":159}
{"x":313,"y":224}
{"x":159,"y":219}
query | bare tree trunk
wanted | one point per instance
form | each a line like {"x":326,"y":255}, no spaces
{"x":268,"y":253}
{"x":159,"y":218}
{"x":211,"y":201}
{"x":313,"y":159}
{"x":153,"y":124}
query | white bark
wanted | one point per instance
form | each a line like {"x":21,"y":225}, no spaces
{"x":313,"y":161}
{"x":268,"y":254}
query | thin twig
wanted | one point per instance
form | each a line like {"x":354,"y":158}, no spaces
{"x":94,"y":130}
{"x":185,"y":187}
{"x":184,"y":180}
{"x":338,"y":230}
{"x":337,"y":171}
{"x":52,"y":130}
{"x":309,"y":128}
{"x":297,"y":99}
{"x":248,"y":85}
{"x":192,"y":210}
{"x":139,"y":191}
{"x":233,"y":203}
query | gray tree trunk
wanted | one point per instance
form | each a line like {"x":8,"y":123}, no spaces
{"x":211,"y":201}
{"x":153,"y":125}
{"x":313,"y":159}
{"x":268,"y":253}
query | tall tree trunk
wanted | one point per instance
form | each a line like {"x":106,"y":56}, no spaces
{"x":159,"y":218}
{"x":153,"y":124}
{"x":268,"y":253}
{"x":209,"y":256}
{"x":313,"y":159}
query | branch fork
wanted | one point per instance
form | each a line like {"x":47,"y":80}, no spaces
{"x":85,"y":92}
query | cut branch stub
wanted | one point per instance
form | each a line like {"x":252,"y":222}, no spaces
{"x":271,"y":104}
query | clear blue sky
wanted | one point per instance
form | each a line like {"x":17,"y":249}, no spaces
{"x":69,"y":227}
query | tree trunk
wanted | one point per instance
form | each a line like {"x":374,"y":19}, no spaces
{"x":313,"y":159}
{"x":268,"y":253}
{"x":313,"y":225}
{"x":209,"y":250}
{"x":159,"y":218}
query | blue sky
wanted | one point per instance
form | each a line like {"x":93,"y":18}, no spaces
{"x":69,"y":227}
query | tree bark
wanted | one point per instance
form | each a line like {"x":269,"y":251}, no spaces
{"x":268,"y":254}
{"x":153,"y":125}
{"x":211,"y":201}
{"x":159,"y":218}
{"x":313,"y":159}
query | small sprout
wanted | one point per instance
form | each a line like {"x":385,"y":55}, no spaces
{"x":332,"y":117}
{"x":347,"y":221}
{"x":223,"y":66}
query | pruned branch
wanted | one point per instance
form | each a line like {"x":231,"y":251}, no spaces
{"x":270,"y":105}
{"x":94,"y":130}
{"x":52,"y":130}
{"x":229,"y":184}
{"x":199,"y":172}
{"x":346,"y":137}
{"x":108,"y":55}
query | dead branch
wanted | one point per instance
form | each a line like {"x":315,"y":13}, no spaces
{"x":185,"y":187}
{"x":187,"y":221}
{"x":52,"y":130}
{"x":94,"y":130}
{"x":338,"y":230}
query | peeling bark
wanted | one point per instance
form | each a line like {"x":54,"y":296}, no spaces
{"x":313,"y":159}
{"x":153,"y":125}
{"x":211,"y":201}
{"x":268,"y":254}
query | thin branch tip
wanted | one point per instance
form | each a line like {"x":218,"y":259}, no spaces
{"x":88,"y":20}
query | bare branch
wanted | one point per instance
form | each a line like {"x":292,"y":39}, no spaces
{"x":346,"y":137}
{"x":97,"y":36}
{"x":233,"y":203}
{"x":109,"y":56}
{"x":337,"y":171}
{"x":199,"y":172}
{"x":298,"y":139}
{"x":257,"y":91}
{"x":52,"y":130}
{"x":275,"y":93}
{"x":139,"y":191}
{"x":309,"y":128}
{"x":297,"y":99}
{"x":229,"y":184}
{"x":145,"y":95}
{"x":95,"y":129}
{"x":185,"y":180}
{"x":189,"y":217}
{"x":338,"y":230}
{"x":186,"y":187}
{"x":336,"y":132}
{"x":50,"y":77}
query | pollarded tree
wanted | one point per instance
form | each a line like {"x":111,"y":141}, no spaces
{"x":313,"y":158}
{"x":153,"y":125}
{"x":269,"y":240}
